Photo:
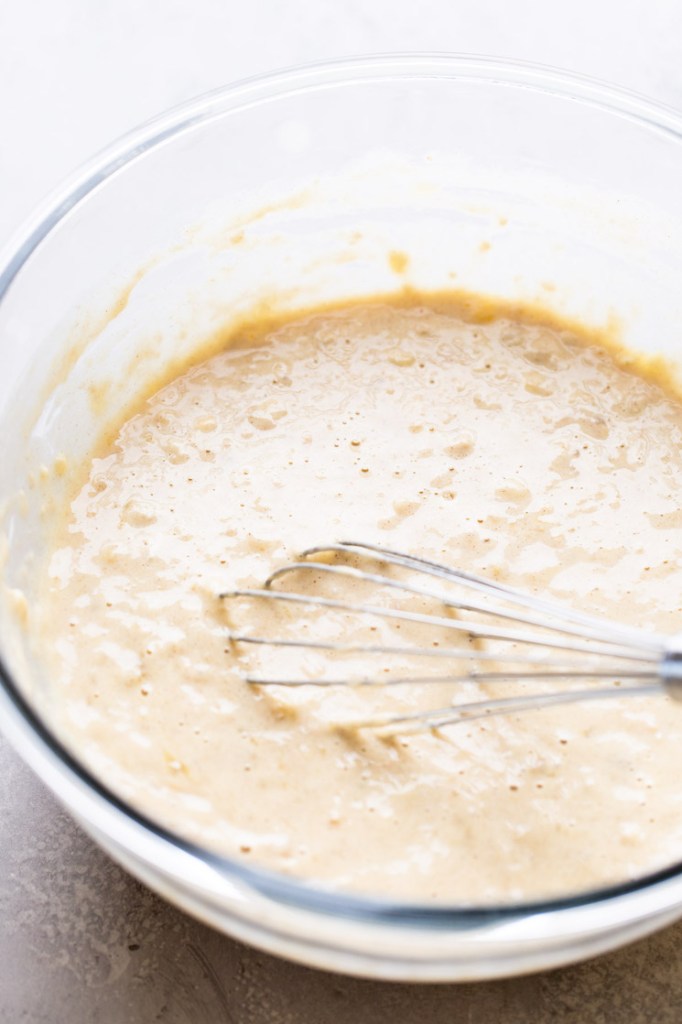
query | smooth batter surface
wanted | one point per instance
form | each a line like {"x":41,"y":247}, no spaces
{"x":510,"y":449}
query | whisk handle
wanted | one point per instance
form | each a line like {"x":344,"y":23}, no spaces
{"x":671,"y":667}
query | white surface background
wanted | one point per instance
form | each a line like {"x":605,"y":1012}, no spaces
{"x":79,"y":941}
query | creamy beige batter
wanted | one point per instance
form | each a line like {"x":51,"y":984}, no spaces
{"x":506,"y":447}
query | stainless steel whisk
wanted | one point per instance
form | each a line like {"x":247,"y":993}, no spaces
{"x":534,"y":639}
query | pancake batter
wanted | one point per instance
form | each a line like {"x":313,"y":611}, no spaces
{"x":508,"y":447}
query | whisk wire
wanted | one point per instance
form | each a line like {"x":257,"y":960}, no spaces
{"x":562,"y":613}
{"x":449,"y":602}
{"x":440,"y":718}
{"x":471,"y":629}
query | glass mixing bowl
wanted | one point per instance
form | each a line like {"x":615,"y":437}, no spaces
{"x":326,"y":182}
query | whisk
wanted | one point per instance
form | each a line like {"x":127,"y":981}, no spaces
{"x":500,"y":635}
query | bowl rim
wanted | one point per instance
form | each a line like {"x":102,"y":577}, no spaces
{"x":237,"y":97}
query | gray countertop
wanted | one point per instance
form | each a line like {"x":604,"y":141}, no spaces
{"x":80,"y":941}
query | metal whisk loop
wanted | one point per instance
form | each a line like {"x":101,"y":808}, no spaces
{"x":563,"y":645}
{"x":440,"y":718}
{"x":589,"y":625}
